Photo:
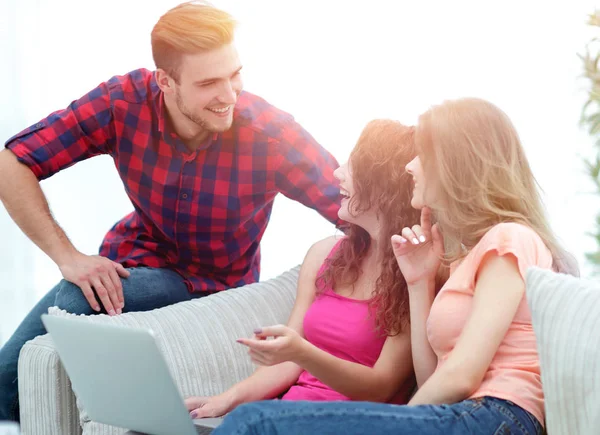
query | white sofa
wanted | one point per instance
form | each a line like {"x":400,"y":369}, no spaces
{"x":197,"y":339}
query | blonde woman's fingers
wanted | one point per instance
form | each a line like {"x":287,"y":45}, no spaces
{"x":410,"y":235}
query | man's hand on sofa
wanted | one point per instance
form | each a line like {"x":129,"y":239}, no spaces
{"x":215,"y":406}
{"x":92,"y":273}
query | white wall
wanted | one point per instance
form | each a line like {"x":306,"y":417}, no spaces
{"x":334,"y":66}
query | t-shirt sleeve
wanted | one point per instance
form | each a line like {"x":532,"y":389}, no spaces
{"x":518,"y":240}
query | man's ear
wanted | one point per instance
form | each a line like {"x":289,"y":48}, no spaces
{"x":165,"y":82}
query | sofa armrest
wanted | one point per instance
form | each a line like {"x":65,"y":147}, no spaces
{"x":46,"y":400}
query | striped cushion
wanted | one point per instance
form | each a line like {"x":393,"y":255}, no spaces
{"x":197,"y":337}
{"x":566,"y":320}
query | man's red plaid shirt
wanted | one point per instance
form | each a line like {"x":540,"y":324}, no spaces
{"x":200,"y":213}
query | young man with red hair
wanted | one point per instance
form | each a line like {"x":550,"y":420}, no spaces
{"x":200,"y":160}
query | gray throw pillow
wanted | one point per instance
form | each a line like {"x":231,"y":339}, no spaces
{"x":566,"y":320}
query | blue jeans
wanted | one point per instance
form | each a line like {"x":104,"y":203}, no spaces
{"x":145,"y":289}
{"x":480,"y":416}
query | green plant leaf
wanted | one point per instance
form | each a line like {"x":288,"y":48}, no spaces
{"x":590,"y":120}
{"x":593,"y":168}
{"x":593,"y":258}
{"x":594,"y":124}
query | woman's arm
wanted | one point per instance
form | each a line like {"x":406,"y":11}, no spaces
{"x":269,"y":382}
{"x":418,"y":252}
{"x":498,"y":293}
{"x":420,"y":297}
{"x":356,"y":381}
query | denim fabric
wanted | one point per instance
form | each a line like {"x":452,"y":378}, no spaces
{"x":480,"y":416}
{"x":145,"y":289}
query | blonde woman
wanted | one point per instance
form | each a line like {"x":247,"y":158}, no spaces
{"x":473,"y":344}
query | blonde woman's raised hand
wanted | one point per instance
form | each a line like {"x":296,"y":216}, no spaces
{"x":419,"y":250}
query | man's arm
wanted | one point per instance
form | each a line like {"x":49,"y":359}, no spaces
{"x":305,"y":173}
{"x":24,"y":200}
{"x":67,"y":136}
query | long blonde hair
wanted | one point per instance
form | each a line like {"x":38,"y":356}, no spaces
{"x":189,"y":28}
{"x":483,"y":176}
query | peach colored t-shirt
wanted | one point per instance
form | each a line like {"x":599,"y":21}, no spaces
{"x":514,"y":373}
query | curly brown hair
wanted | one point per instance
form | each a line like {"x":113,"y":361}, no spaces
{"x":381,"y":183}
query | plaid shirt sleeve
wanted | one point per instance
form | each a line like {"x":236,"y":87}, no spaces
{"x":82,"y":130}
{"x":305,"y":173}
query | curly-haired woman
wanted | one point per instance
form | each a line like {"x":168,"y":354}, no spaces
{"x":348,"y":336}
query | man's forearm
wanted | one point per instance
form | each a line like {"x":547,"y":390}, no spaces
{"x":21,"y":194}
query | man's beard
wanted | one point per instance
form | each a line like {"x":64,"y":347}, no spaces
{"x":196,"y":119}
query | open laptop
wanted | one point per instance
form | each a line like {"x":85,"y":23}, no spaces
{"x":121,"y":378}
